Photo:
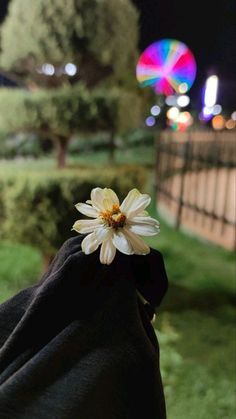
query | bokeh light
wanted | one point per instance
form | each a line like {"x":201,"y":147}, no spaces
{"x":211,"y":91}
{"x":230,"y":124}
{"x":171,"y":100}
{"x":150,"y":121}
{"x":155,"y":110}
{"x":233,"y":116}
{"x":70,"y":69}
{"x":185,"y":118}
{"x":183,"y":101}
{"x":48,"y":69}
{"x":218,"y":122}
{"x":217,"y":109}
{"x":183,"y":88}
{"x":173,"y":113}
{"x":166,"y":65}
{"x":207,"y":111}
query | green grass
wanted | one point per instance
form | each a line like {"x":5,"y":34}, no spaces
{"x":140,"y":155}
{"x":196,"y":328}
{"x":194,"y":265}
{"x":202,"y":384}
{"x":20,"y":266}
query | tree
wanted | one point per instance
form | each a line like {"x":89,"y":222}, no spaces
{"x":99,"y":36}
{"x":59,"y":113}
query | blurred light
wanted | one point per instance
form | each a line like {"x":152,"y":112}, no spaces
{"x":70,"y":69}
{"x":207,"y":111}
{"x":183,"y":101}
{"x":183,"y":88}
{"x":184,"y":117}
{"x":182,"y":122}
{"x":48,"y":69}
{"x":205,"y":116}
{"x":155,"y":110}
{"x":173,"y":113}
{"x":150,"y":121}
{"x":211,"y":91}
{"x":216,"y":109}
{"x":230,"y":124}
{"x":201,"y":116}
{"x":171,"y":100}
{"x":233,"y":116}
{"x":218,"y":122}
{"x":166,"y":64}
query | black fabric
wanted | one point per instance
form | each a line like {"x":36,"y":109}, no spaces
{"x":79,"y":344}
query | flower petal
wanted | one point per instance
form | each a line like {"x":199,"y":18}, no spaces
{"x":143,"y":220}
{"x":121,"y":242}
{"x":128,"y":201}
{"x":97,"y":198}
{"x":102,"y":233}
{"x":89,"y":244}
{"x":87,"y":210}
{"x":86,"y":226}
{"x":144,"y":226}
{"x":107,"y":252}
{"x":134,"y":203}
{"x":139,"y":246}
{"x":144,"y":229}
{"x":110,"y":198}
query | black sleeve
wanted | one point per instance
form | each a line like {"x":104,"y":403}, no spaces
{"x":150,"y":276}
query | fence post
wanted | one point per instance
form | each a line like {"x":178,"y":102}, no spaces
{"x":156,"y":167}
{"x":182,"y":179}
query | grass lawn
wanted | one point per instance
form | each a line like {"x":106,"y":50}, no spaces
{"x":20,"y":266}
{"x":196,"y":328}
{"x":195,"y":323}
{"x":140,"y":155}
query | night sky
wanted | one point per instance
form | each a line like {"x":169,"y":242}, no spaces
{"x":208,"y":29}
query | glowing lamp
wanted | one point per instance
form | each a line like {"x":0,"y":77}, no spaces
{"x":211,"y":91}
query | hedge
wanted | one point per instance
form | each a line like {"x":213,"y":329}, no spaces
{"x":37,"y":208}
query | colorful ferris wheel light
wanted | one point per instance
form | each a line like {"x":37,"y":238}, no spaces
{"x":168,"y":66}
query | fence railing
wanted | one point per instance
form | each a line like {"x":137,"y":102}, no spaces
{"x":195,"y":179}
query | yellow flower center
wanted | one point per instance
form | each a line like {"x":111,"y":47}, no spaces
{"x":114,"y":217}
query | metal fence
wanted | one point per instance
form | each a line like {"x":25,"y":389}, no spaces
{"x":195,"y":176}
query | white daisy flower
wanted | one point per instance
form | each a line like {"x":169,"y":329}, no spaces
{"x":115,"y":226}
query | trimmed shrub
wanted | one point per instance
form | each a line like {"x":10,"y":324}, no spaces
{"x":38,"y":207}
{"x":91,"y":142}
{"x":139,"y":137}
{"x":21,"y":145}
